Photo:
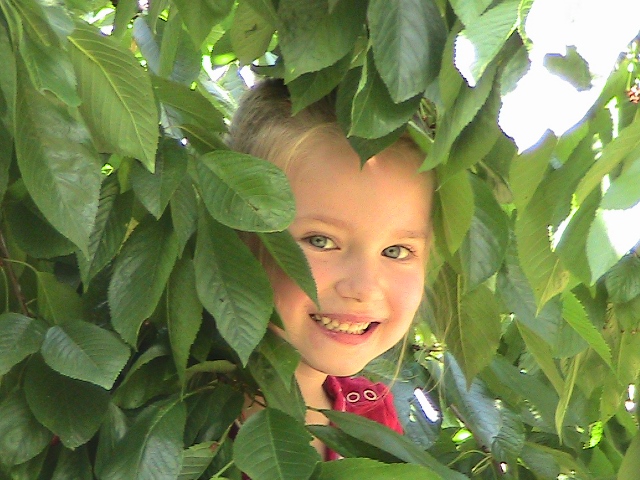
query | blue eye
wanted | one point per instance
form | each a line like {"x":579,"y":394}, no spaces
{"x":397,"y":252}
{"x":321,"y":242}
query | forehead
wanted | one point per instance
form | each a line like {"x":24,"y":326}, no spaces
{"x":326,"y":178}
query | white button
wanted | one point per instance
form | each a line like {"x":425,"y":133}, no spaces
{"x":353,"y":397}
{"x":370,"y":395}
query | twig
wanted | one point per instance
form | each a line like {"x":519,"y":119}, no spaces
{"x":15,"y":284}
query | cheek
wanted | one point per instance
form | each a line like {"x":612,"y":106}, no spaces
{"x":407,"y":294}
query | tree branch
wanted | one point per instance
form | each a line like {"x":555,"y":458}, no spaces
{"x":11,"y":275}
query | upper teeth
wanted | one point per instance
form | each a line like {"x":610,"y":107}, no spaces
{"x":336,"y":326}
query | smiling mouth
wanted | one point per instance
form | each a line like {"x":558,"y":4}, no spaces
{"x":334,"y":325}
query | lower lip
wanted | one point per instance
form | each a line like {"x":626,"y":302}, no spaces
{"x":347,"y":338}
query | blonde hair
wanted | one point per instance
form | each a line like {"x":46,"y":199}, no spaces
{"x":263,"y":124}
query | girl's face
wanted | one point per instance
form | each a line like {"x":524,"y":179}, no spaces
{"x":365,"y":234}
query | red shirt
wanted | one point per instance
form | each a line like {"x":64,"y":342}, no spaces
{"x":361,"y":396}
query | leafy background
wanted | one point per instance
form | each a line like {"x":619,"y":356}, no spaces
{"x":134,"y":318}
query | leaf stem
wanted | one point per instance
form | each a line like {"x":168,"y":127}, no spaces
{"x":223,"y":469}
{"x":6,"y":290}
{"x":5,"y":264}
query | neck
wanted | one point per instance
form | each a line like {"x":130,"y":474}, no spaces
{"x":311,"y":383}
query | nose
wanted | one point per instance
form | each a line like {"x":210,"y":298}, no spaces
{"x":360,"y":279}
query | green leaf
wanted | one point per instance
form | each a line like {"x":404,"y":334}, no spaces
{"x":184,"y":312}
{"x":543,"y":356}
{"x":456,"y":209}
{"x":50,"y":69}
{"x":479,"y":43}
{"x":365,"y":469}
{"x":476,"y":139}
{"x":545,"y":400}
{"x":388,"y":440}
{"x":154,"y":190}
{"x":73,"y":464}
{"x":628,"y":357}
{"x":571,"y":67}
{"x":72,"y":409}
{"x":196,"y":459}
{"x":187,"y":60}
{"x":311,"y":87}
{"x":485,"y":244}
{"x":567,"y":392}
{"x":368,"y":147}
{"x":615,"y":152}
{"x":117,"y":98}
{"x":250,"y":33}
{"x":20,"y":336}
{"x":547,"y":462}
{"x":211,"y":366}
{"x":152,"y":447}
{"x":184,"y":212}
{"x":271,"y":445}
{"x":140,"y":274}
{"x":34,"y":235}
{"x":290,"y":258}
{"x":126,"y":10}
{"x":474,"y":332}
{"x":58,"y":302}
{"x":373,"y":113}
{"x":348,"y":446}
{"x":54,"y":152}
{"x":232,"y":286}
{"x":623,"y":280}
{"x":467,"y":102}
{"x":547,"y":322}
{"x":153,"y":374}
{"x":265,"y":9}
{"x":211,"y":413}
{"x":528,"y":169}
{"x":188,"y":106}
{"x":110,"y":229}
{"x":607,"y":243}
{"x":35,"y":21}
{"x":572,"y":247}
{"x":8,"y":79}
{"x":623,"y":191}
{"x":467,"y":12}
{"x":22,"y":437}
{"x":449,"y":80}
{"x":496,"y":428}
{"x":6,"y":153}
{"x":312,"y":38}
{"x":407,"y":40}
{"x":542,"y":266}
{"x":282,"y":356}
{"x":200,"y":16}
{"x":245,"y":192}
{"x":275,"y":377}
{"x":515,"y":68}
{"x":86,"y":352}
{"x":631,"y":461}
{"x":169,"y":43}
{"x":575,"y":314}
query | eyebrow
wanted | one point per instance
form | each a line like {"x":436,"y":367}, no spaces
{"x":337,"y":222}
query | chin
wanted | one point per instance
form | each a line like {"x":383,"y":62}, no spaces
{"x":343,"y":371}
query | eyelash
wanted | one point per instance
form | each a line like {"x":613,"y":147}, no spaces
{"x":309,"y":239}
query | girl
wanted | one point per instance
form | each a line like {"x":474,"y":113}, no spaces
{"x":365,"y":231}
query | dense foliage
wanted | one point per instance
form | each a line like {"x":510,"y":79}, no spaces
{"x":134,"y":318}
